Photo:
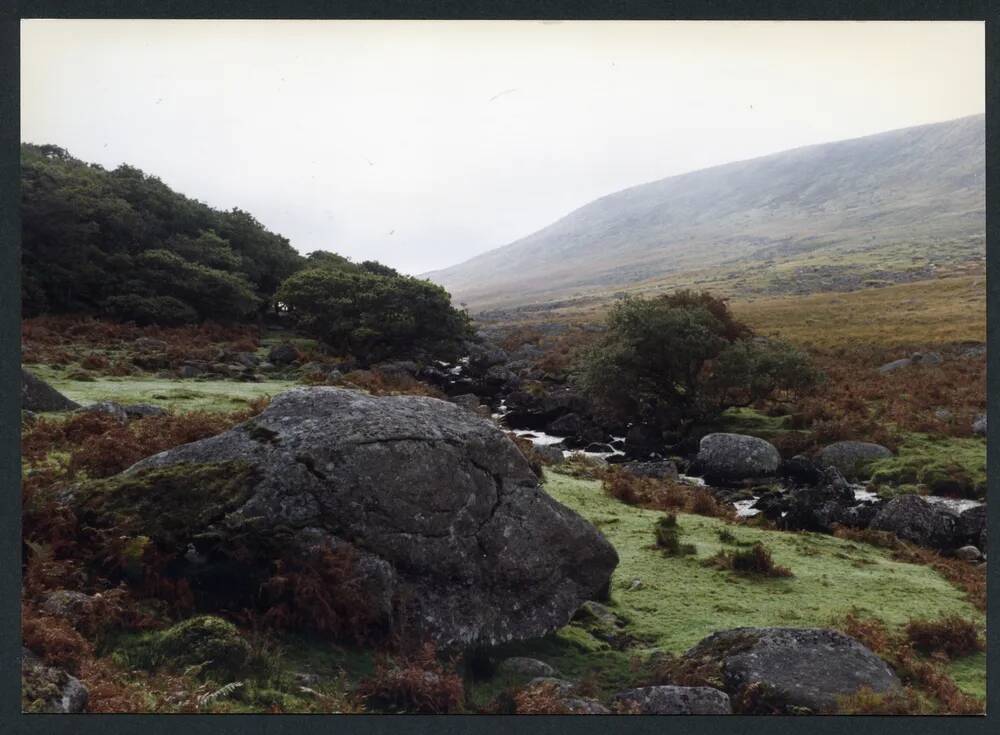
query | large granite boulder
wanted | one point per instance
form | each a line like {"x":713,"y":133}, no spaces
{"x":852,"y":458}
{"x":442,"y":507}
{"x":37,"y":395}
{"x":733,"y":457}
{"x":913,"y":519}
{"x":788,"y":670}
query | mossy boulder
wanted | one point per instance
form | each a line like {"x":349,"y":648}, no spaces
{"x":444,"y":511}
{"x":204,"y":638}
{"x":852,"y":458}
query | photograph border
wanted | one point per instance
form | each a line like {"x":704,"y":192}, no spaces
{"x":11,"y":12}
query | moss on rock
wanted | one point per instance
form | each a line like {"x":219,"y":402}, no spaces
{"x":167,"y":505}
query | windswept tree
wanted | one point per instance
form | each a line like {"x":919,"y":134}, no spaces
{"x":680,"y":359}
{"x":375,"y":317}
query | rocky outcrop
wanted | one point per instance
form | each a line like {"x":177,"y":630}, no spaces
{"x":788,"y":670}
{"x":674,"y":700}
{"x":49,"y":689}
{"x":732,"y":457}
{"x":852,"y":458}
{"x":39,"y":396}
{"x":439,"y":497}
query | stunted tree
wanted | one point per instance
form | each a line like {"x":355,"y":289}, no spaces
{"x":683,"y":358}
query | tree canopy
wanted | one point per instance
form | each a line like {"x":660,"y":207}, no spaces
{"x":374,"y":316}
{"x":121,"y":243}
{"x":683,"y":358}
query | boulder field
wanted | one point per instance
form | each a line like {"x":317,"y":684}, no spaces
{"x":443,"y":510}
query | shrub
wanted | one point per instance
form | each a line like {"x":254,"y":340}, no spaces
{"x":323,"y":592}
{"x":754,"y":561}
{"x":668,"y":537}
{"x":375,"y":317}
{"x":952,"y":636}
{"x":928,"y":677}
{"x":413,"y":683}
{"x":543,"y":698}
{"x":682,"y":358}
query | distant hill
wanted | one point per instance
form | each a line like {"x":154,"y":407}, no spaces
{"x":890,"y":206}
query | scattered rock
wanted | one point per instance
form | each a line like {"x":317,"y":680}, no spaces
{"x":913,"y":519}
{"x":979,"y":425}
{"x":852,"y":458}
{"x":48,"y":689}
{"x":283,"y":354}
{"x":111,"y":408}
{"x":789,"y":670}
{"x":662,"y":470}
{"x":551,"y":453}
{"x":523,"y":666}
{"x":968,"y":553}
{"x":643,"y":441}
{"x":37,"y":395}
{"x":675,"y":700}
{"x":443,"y":496}
{"x":926,"y":358}
{"x":728,"y":457}
{"x":800,"y":470}
{"x":74,"y":607}
{"x":895,"y":365}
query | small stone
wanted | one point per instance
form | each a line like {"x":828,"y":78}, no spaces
{"x":968,"y":553}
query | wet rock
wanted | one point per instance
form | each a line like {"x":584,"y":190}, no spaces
{"x":732,"y":457}
{"x":800,"y":470}
{"x":852,"y":458}
{"x":676,"y":700}
{"x":913,"y":519}
{"x":643,"y":441}
{"x":660,"y":470}
{"x":971,"y":526}
{"x":39,"y":396}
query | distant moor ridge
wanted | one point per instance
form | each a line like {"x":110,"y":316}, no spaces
{"x":882,"y":202}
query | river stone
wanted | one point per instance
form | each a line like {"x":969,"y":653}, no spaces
{"x":913,"y":519}
{"x":37,"y":395}
{"x":481,"y":553}
{"x":49,"y":689}
{"x":793,"y":670}
{"x":852,"y":458}
{"x":723,"y":457}
{"x":674,"y":700}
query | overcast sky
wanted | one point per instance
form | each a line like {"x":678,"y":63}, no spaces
{"x":422,"y":143}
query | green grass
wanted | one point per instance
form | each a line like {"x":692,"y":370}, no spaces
{"x":937,"y":465}
{"x":970,"y":674}
{"x":753,"y":422}
{"x":176,"y":394}
{"x":681,"y":600}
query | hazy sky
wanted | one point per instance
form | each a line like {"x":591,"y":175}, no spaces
{"x":422,"y":143}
